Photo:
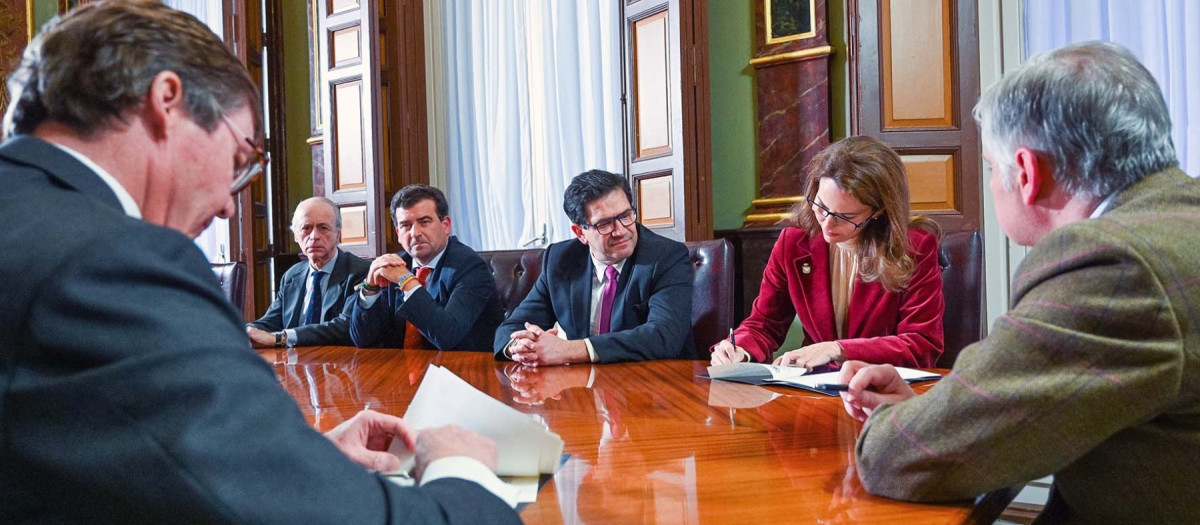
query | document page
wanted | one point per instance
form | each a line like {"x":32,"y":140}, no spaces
{"x":525,"y":447}
{"x":754,"y":373}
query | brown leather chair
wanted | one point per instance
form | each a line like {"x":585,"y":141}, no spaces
{"x":961,"y":260}
{"x":712,"y":293}
{"x":515,"y":272}
{"x":232,"y":276}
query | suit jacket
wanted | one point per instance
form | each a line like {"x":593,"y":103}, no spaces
{"x":112,"y":414}
{"x":287,"y":310}
{"x":1093,"y":376}
{"x":901,"y":328}
{"x":457,"y":308}
{"x":652,"y":311}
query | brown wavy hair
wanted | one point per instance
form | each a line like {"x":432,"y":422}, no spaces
{"x":872,"y":172}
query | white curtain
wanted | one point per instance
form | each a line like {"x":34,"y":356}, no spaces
{"x":534,"y":99}
{"x":1159,"y":32}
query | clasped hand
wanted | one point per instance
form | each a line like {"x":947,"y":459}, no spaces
{"x":535,"y":346}
{"x":386,"y":269}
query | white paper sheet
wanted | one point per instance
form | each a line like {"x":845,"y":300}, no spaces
{"x":524,"y":446}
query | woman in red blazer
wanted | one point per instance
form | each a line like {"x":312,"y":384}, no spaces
{"x":859,"y":272}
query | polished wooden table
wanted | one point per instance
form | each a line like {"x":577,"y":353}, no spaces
{"x":647,"y":442}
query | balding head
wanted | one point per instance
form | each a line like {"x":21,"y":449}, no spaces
{"x":317,"y":226}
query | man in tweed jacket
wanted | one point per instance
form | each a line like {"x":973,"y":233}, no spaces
{"x":1093,"y":375}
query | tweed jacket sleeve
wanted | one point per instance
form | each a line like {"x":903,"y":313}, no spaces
{"x":1079,"y":379}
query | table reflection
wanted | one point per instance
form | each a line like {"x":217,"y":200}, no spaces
{"x":646,"y":442}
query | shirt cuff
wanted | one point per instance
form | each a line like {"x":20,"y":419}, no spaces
{"x":291,"y":337}
{"x":592,"y":358}
{"x":473,"y":470}
{"x":366,"y":301}
{"x":410,"y":292}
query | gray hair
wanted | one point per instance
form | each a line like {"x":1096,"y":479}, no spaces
{"x":337,"y":215}
{"x":91,"y":66}
{"x":1092,"y":108}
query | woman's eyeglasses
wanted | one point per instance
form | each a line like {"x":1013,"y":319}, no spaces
{"x":818,"y":207}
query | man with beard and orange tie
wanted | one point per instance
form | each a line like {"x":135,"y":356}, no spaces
{"x":437,"y":294}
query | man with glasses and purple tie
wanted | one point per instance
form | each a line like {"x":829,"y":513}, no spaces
{"x":307,"y":309}
{"x":618,"y":292}
{"x":128,"y":390}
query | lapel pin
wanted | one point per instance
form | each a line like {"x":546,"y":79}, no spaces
{"x":805,"y":268}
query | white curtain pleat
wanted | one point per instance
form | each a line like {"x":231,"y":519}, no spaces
{"x":1159,"y":32}
{"x":534,"y":100}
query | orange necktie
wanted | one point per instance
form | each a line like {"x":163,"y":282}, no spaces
{"x":412,"y":337}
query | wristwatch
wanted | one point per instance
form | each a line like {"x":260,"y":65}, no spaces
{"x":280,"y":338}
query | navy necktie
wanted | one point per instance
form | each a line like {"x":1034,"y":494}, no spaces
{"x":314,"y":302}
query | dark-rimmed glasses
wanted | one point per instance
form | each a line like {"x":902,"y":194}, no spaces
{"x":245,"y":174}
{"x":837,"y":216}
{"x":607,"y":226}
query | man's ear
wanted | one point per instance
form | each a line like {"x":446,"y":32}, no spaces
{"x":578,"y":231}
{"x":1032,"y":176}
{"x":164,"y":103}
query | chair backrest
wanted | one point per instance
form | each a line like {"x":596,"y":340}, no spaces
{"x":712,"y":292}
{"x":232,"y":276}
{"x":515,"y":272}
{"x":961,"y":260}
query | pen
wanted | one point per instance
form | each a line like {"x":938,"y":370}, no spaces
{"x":834,"y":387}
{"x":732,"y":341}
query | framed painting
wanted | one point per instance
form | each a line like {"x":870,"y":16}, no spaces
{"x":788,"y":20}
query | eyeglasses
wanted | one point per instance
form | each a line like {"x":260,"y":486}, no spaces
{"x":606,"y":226}
{"x":245,"y":174}
{"x":837,"y":216}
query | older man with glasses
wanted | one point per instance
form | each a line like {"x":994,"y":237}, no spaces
{"x":618,"y":292}
{"x":128,"y":390}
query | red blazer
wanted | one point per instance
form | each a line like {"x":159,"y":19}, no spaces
{"x":903,"y":329}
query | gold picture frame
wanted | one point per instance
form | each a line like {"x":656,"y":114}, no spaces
{"x":786,"y":20}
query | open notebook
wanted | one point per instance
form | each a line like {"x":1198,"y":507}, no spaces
{"x":762,"y":374}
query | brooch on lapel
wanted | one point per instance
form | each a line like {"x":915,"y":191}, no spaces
{"x":805,"y":268}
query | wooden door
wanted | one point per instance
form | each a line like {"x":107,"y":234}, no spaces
{"x":248,"y":228}
{"x":666,"y":115}
{"x":353,"y":154}
{"x":914,"y":80}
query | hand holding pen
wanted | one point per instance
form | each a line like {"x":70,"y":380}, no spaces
{"x":727,"y":351}
{"x":865,"y":387}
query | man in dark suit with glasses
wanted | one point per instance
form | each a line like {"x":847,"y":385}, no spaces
{"x":128,"y":389}
{"x":617,"y":292}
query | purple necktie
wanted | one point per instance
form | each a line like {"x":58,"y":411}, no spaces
{"x":606,"y":300}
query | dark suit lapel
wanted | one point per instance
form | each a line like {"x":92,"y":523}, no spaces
{"x":580,"y":320}
{"x":294,"y":307}
{"x":814,"y":287}
{"x":39,"y":154}
{"x":443,"y":275}
{"x":331,"y":299}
